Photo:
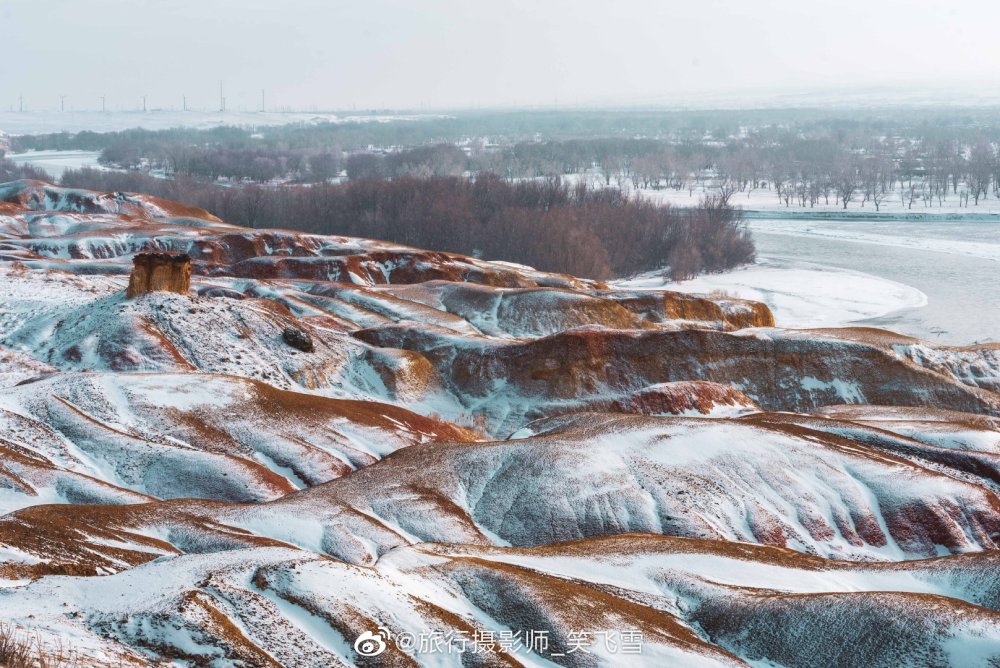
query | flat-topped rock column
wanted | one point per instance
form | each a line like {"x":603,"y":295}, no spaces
{"x":163,"y":272}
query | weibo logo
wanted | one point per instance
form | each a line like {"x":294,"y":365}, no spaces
{"x":371,"y":644}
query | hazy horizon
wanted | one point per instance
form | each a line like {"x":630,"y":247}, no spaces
{"x":447,"y":54}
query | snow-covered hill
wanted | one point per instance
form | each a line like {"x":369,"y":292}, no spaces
{"x":473,"y":463}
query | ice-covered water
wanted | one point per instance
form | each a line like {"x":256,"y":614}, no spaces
{"x":955,"y":264}
{"x":56,"y":162}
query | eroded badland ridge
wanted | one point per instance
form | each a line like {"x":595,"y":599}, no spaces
{"x":274,"y":442}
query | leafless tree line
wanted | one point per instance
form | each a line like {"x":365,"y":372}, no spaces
{"x":802,"y":165}
{"x":11,"y":171}
{"x":799,"y":172}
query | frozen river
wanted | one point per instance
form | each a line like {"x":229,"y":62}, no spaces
{"x":956,"y":265}
{"x":938,"y":281}
{"x":56,"y":162}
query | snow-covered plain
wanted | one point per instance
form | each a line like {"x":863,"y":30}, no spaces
{"x":895,"y":205}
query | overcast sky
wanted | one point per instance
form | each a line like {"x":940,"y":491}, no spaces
{"x":330,"y":54}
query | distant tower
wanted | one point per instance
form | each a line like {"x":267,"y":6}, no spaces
{"x":62,"y":103}
{"x":222,"y":98}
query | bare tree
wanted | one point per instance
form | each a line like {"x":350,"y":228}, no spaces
{"x":845,"y":180}
{"x":727,"y":188}
{"x":609,"y":167}
{"x":913,"y":195}
{"x":982,"y":161}
{"x":874,"y":179}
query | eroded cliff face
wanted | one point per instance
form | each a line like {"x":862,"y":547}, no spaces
{"x":719,"y":312}
{"x":160,"y":272}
